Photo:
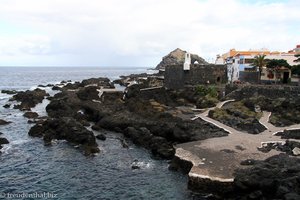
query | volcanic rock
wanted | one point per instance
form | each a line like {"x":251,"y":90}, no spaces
{"x":101,"y":137}
{"x":66,"y":129}
{"x":104,"y":82}
{"x":30,"y":115}
{"x":6,"y":106}
{"x":275,"y":178}
{"x":88,"y":93}
{"x":3,"y":122}
{"x":3,"y":141}
{"x":29,"y":99}
{"x":9,"y":91}
{"x":56,"y":87}
{"x":177,"y":57}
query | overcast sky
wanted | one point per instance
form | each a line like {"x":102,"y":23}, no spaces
{"x":140,"y":32}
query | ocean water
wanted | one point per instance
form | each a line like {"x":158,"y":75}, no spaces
{"x":61,"y":171}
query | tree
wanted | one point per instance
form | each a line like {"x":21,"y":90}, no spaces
{"x":259,"y":62}
{"x":296,"y":70}
{"x":275,"y":63}
{"x":298,"y":58}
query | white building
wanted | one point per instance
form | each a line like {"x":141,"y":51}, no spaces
{"x":237,"y":61}
{"x":187,"y":61}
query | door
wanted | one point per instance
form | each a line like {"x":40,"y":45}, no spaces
{"x":286,"y":76}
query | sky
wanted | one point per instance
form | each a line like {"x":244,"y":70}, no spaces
{"x":140,"y":32}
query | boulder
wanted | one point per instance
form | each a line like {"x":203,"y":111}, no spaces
{"x":72,"y":86}
{"x":37,"y":130}
{"x":3,"y":122}
{"x":135,"y":164}
{"x":29,"y":99}
{"x":104,"y":82}
{"x":96,"y":128}
{"x":9,"y":91}
{"x":3,"y":141}
{"x":177,"y":57}
{"x":7,"y":106}
{"x":30,"y":115}
{"x":56,"y":87}
{"x":89,"y":93}
{"x":296,"y":151}
{"x":66,"y":129}
{"x":59,"y":108}
{"x":132,"y":91}
{"x":101,"y":137}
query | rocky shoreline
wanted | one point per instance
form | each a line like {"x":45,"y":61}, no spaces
{"x":156,"y":119}
{"x":3,"y":140}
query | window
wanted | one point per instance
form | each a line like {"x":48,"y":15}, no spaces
{"x":249,"y":61}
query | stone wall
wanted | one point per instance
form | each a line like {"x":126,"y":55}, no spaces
{"x":250,"y":77}
{"x":176,"y":77}
{"x":271,"y":91}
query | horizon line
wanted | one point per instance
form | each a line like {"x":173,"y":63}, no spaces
{"x":119,"y":66}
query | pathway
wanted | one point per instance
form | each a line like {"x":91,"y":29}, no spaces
{"x":218,"y":158}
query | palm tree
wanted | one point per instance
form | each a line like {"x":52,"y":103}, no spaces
{"x":259,"y":62}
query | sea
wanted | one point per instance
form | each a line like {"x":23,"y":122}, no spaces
{"x":30,"y":170}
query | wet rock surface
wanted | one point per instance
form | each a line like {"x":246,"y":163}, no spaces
{"x":29,"y":99}
{"x":101,"y":137}
{"x":7,"y":106}
{"x":104,"y":82}
{"x":30,"y":115}
{"x":9,"y":91}
{"x":3,"y":141}
{"x":65,"y":129}
{"x":3,"y":122}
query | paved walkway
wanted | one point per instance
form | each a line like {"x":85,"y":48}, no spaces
{"x":217,"y":158}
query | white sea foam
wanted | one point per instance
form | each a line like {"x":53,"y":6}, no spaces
{"x":33,"y":88}
{"x":12,"y":146}
{"x":4,"y":96}
{"x":142,"y":164}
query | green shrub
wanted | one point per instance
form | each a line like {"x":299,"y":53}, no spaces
{"x":206,"y":102}
{"x":207,"y":91}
